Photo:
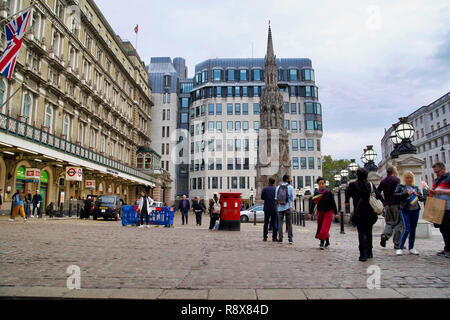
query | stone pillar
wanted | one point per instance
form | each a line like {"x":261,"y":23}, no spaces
{"x":157,"y":193}
{"x":167,"y":196}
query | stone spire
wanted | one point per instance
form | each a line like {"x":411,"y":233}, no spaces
{"x":270,"y":62}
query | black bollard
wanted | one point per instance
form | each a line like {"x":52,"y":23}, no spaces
{"x":254,"y":218}
{"x":342,"y":222}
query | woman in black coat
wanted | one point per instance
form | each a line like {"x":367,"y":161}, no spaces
{"x":364,"y":217}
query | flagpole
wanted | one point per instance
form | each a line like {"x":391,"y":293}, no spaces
{"x":17,"y":13}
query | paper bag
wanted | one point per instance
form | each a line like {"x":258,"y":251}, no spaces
{"x":434,"y":210}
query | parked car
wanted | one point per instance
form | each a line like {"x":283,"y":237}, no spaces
{"x":248,"y":215}
{"x":108,"y":206}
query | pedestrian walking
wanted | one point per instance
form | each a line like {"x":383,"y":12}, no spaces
{"x":409,"y":196}
{"x":441,"y":190}
{"x":364,"y":217}
{"x":184,"y":209}
{"x":199,"y":208}
{"x":326,"y":209}
{"x":214,"y":211}
{"x":391,"y":208}
{"x":284,"y":196}
{"x":87,"y":207}
{"x":270,"y":210}
{"x":18,"y":201}
{"x":145,"y":202}
{"x":36,"y":201}
{"x":27,"y":204}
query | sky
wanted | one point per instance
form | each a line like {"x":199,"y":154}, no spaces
{"x":374,"y":61}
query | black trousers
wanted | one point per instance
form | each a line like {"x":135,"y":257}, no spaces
{"x":198,"y":217}
{"x":144,"y":213}
{"x":212,"y":222}
{"x":365,"y":239}
{"x":184,"y":215}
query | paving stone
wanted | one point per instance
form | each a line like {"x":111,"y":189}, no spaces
{"x":327,"y":294}
{"x":232,"y":294}
{"x":425,"y":293}
{"x":89,"y":293}
{"x":280,"y":294}
{"x":136,"y":294}
{"x":382,"y":293}
{"x":184,"y":294}
{"x":33,"y":292}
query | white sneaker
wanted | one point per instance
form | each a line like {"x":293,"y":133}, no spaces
{"x":24,"y":219}
{"x":32,"y":216}
{"x":11,"y":220}
{"x":399,"y":252}
{"x":147,"y":226}
{"x":141,"y":226}
{"x":414,"y":252}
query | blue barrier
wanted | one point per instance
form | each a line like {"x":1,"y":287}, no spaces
{"x":162,"y":216}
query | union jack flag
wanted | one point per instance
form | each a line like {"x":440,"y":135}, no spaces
{"x":14,"y":31}
{"x":136,"y":29}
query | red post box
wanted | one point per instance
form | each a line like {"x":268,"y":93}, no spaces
{"x":230,"y":211}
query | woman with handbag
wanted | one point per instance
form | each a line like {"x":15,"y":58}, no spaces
{"x":326,"y":208}
{"x":364,"y":217}
{"x":409,"y":196}
{"x":214,"y":211}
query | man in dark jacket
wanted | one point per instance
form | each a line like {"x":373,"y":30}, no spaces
{"x":198,"y":208}
{"x":184,"y":209}
{"x":270,"y":210}
{"x":37,"y":199}
{"x":391,"y":207}
{"x":87,"y":207}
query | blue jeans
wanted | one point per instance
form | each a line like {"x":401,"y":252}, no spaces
{"x":273,"y":217}
{"x":409,"y":222}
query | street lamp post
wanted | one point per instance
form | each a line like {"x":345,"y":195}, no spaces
{"x":405,"y":132}
{"x":396,"y":141}
{"x":352,"y":167}
{"x":251,"y":205}
{"x":370,"y":155}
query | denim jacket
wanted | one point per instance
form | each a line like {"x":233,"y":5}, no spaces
{"x":401,"y":193}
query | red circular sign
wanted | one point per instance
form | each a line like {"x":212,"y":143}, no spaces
{"x":71,"y":172}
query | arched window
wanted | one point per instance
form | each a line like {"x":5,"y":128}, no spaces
{"x":48,"y":120}
{"x":26,"y":111}
{"x":140,"y":161}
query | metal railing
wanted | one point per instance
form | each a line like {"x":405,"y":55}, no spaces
{"x":31,"y":133}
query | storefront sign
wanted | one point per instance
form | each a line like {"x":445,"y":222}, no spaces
{"x":90,"y":184}
{"x":20,"y":175}
{"x":32,"y":175}
{"x":74,"y":174}
{"x":44,"y":177}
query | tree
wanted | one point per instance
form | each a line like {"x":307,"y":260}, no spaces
{"x":331,"y":167}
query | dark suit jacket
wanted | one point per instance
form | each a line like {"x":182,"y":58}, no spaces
{"x":268,"y":195}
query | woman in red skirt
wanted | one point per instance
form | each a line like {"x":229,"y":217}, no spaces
{"x":326,"y":207}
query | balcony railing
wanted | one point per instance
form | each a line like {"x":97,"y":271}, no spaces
{"x":437,"y":132}
{"x":31,"y":133}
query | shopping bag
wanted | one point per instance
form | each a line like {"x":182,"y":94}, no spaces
{"x":434,"y":210}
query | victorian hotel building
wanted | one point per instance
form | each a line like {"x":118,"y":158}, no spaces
{"x":80,"y":98}
{"x":224,"y":122}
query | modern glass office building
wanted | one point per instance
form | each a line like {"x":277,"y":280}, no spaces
{"x":224,"y":123}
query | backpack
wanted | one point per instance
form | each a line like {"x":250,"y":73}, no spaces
{"x":216,"y":208}
{"x":376,"y":204}
{"x":282,"y":195}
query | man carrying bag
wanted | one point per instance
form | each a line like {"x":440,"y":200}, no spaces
{"x":436,"y":209}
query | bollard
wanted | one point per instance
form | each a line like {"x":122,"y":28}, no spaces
{"x":342,"y":221}
{"x":70,"y":208}
{"x":254,"y":218}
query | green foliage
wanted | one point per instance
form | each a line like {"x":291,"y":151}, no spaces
{"x":330,"y":167}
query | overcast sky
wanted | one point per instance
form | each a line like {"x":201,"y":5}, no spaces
{"x":374,"y":60}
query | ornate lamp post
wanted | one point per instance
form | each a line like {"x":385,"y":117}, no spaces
{"x":352,"y":167}
{"x":337,"y":180}
{"x":344,"y":176}
{"x":405,"y":132}
{"x":396,"y":141}
{"x":370,"y":155}
{"x":252,"y":193}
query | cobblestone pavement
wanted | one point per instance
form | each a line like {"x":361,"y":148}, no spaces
{"x":38,"y":252}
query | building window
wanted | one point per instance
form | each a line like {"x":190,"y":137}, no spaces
{"x":229,"y":126}
{"x":256,"y":108}
{"x":256,"y":126}
{"x":245,"y":109}
{"x":218,"y":126}
{"x":293,"y":74}
{"x":245,"y":126}
{"x":218,"y":109}
{"x":211,"y":126}
{"x":318,"y":145}
{"x":217,"y":74}
{"x":319,"y":163}
{"x":303,"y":163}
{"x":26,"y":110}
{"x":48,"y":122}
{"x":230,"y":164}
{"x":229,"y":144}
{"x":310,"y":145}
{"x":218,"y":163}
{"x":229,"y":109}
{"x":257,"y":75}
{"x":237,"y":126}
{"x":293,"y":108}
{"x":234,"y":184}
{"x":230,"y":75}
{"x":294,"y":145}
{"x":237,"y":109}
{"x":238,"y":164}
{"x":66,"y":125}
{"x":243,"y":75}
{"x":294,"y":126}
{"x":237,"y":145}
{"x":295,"y":163}
{"x":210,"y":109}
{"x":286,"y":107}
{"x":184,"y":118}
